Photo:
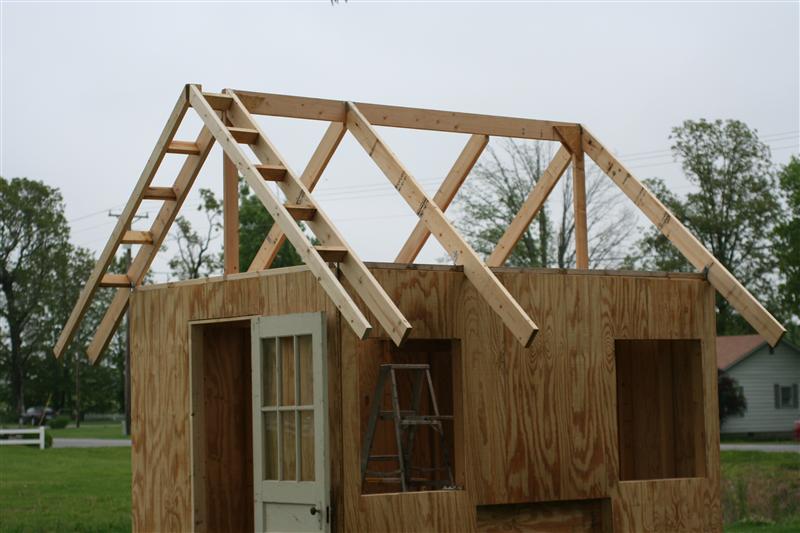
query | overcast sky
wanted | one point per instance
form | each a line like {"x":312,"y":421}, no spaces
{"x":87,"y":87}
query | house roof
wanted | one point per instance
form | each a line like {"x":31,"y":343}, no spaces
{"x":733,"y":348}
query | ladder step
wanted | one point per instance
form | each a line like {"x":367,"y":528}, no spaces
{"x":244,"y":135}
{"x":183,"y":147}
{"x":300,"y":211}
{"x":383,"y":457}
{"x":160,"y":193}
{"x":332,"y":254}
{"x":218,"y":101}
{"x":408,"y":366}
{"x":272,"y":172}
{"x":115,"y":280}
{"x":137,"y":237}
{"x":386,"y":474}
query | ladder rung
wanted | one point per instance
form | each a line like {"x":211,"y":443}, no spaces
{"x":332,"y":254}
{"x":115,"y":280}
{"x":379,"y":479}
{"x":409,"y":366}
{"x":244,"y":135}
{"x":383,"y":457}
{"x":420,"y":422}
{"x":301,"y":212}
{"x":160,"y":193}
{"x":137,"y":237}
{"x":382,"y":474}
{"x":218,"y":101}
{"x":272,"y":172}
{"x":183,"y":147}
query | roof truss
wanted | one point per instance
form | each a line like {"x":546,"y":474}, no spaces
{"x":227,"y":119}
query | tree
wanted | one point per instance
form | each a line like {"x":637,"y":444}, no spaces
{"x":731,"y":398}
{"x":499,"y":185}
{"x":732,"y":211}
{"x":787,"y":246}
{"x":254,"y":225}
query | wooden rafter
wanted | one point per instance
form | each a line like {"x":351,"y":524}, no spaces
{"x":530,"y":208}
{"x":487,"y":285}
{"x":314,"y":169}
{"x":572,"y":139}
{"x":447,"y":191}
{"x":722,"y":280}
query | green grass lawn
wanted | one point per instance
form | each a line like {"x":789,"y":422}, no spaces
{"x":68,"y":489}
{"x":74,"y":489}
{"x":90,"y":430}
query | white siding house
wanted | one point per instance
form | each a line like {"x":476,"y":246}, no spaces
{"x":769,"y":379}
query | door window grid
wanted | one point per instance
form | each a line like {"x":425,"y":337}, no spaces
{"x":289,"y":448}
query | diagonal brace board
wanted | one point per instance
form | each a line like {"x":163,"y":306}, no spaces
{"x":487,"y":285}
{"x":530,"y":208}
{"x":281,"y":215}
{"x":719,"y":277}
{"x":123,"y":223}
{"x":144,"y":257}
{"x":444,"y":196}
{"x":362,"y":280}
{"x":316,"y":166}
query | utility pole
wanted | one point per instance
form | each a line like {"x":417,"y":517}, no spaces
{"x":127,"y":368}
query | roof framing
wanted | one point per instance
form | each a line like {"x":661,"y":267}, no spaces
{"x":228,"y":120}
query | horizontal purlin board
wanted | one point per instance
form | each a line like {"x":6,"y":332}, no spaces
{"x":353,"y":269}
{"x":719,"y":277}
{"x":123,"y":223}
{"x":144,"y":257}
{"x":294,"y":233}
{"x":489,"y":287}
{"x":402,"y":117}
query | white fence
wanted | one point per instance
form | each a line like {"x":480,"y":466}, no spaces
{"x":19,"y":431}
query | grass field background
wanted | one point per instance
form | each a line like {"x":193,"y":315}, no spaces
{"x":88,"y":490}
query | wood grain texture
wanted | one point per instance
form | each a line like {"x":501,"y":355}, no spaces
{"x":539,"y":424}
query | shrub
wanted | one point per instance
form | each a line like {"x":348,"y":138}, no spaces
{"x":48,"y":439}
{"x":59,"y":422}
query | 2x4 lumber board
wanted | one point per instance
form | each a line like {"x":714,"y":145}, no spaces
{"x":272,"y":172}
{"x":137,"y":237}
{"x":183,"y":147}
{"x":402,"y":117}
{"x":230,"y":212}
{"x":332,"y":254}
{"x":115,"y":280}
{"x":159,"y":193}
{"x":719,"y":277}
{"x":530,"y":208}
{"x":301,"y":212}
{"x":485,"y":282}
{"x":572,"y":140}
{"x":123,"y":223}
{"x":353,"y":269}
{"x":218,"y":101}
{"x":444,"y":196}
{"x":311,"y":175}
{"x":294,"y":233}
{"x":244,"y":135}
{"x":144,"y":257}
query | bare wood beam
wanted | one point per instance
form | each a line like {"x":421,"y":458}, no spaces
{"x":487,"y":285}
{"x":402,"y":117}
{"x":115,"y":280}
{"x":183,"y":147}
{"x":447,"y":191}
{"x":311,"y":175}
{"x":159,"y":193}
{"x":719,"y":277}
{"x":294,"y":233}
{"x":137,"y":237}
{"x":230,"y":211}
{"x":572,"y":139}
{"x":530,"y":208}
{"x":144,"y":257}
{"x":123,"y":222}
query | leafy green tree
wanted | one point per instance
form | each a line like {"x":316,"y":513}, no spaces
{"x":254,"y":225}
{"x":787,"y":246}
{"x":731,"y":211}
{"x":730,"y":397}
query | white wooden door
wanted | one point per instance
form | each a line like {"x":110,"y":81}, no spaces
{"x":290,"y":423}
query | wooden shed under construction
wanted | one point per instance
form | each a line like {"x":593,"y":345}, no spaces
{"x":349,"y":396}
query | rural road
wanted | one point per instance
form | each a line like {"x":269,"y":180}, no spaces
{"x":761,"y":447}
{"x":90,"y":443}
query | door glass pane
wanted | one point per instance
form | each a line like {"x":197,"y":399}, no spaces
{"x":288,"y":449}
{"x":270,"y":445}
{"x":307,"y":446}
{"x":306,"y":370}
{"x":287,"y":371}
{"x":269,"y":390}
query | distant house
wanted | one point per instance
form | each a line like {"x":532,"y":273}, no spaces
{"x":769,"y":379}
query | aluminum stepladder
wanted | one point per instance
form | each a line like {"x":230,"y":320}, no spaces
{"x":405,"y":428}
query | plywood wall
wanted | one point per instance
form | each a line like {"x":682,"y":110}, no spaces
{"x":539,"y":424}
